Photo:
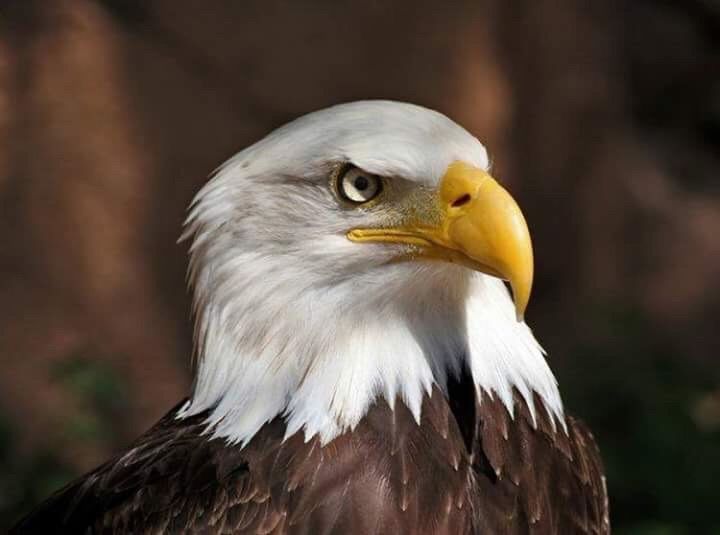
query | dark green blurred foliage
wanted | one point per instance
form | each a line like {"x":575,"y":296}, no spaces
{"x":660,"y":442}
{"x":100,"y":395}
{"x":25,"y":481}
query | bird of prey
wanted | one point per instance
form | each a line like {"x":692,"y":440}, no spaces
{"x":361,"y":367}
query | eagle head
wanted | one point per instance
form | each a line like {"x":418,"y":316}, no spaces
{"x":357,"y":253}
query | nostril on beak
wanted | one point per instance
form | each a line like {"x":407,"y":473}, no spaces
{"x":463,"y":199}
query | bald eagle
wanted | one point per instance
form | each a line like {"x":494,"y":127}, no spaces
{"x":361,"y":366}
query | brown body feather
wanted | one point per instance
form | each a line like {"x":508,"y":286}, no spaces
{"x":469,"y":467}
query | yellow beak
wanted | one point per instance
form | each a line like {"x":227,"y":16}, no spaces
{"x":476,"y":223}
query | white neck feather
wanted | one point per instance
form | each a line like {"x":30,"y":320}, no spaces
{"x":320,"y":357}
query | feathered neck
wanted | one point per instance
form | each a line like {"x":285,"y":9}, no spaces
{"x":320,"y":356}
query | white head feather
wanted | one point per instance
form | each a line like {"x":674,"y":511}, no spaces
{"x":293,"y":319}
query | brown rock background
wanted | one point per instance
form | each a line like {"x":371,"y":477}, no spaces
{"x":604,"y":118}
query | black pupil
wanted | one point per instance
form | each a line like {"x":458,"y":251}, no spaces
{"x":361,"y":183}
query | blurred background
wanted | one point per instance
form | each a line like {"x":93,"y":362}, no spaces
{"x":603,"y":118}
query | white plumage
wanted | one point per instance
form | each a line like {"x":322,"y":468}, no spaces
{"x":294,"y":319}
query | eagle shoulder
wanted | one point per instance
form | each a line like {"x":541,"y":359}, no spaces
{"x":173,"y":479}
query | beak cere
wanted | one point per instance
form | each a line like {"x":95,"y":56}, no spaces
{"x":479,"y":225}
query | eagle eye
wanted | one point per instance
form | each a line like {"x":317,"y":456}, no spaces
{"x":357,"y":186}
